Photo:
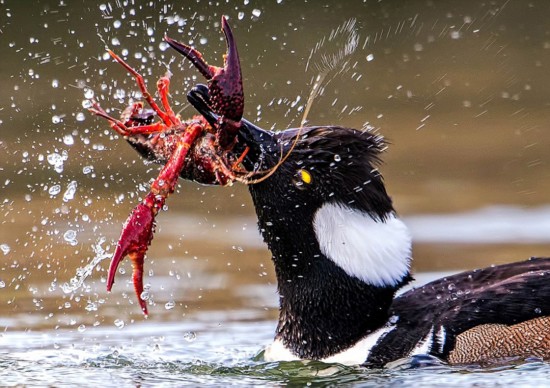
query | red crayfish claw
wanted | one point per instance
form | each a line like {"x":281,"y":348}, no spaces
{"x":225,"y":87}
{"x":134,"y":240}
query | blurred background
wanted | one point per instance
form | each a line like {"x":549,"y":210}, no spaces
{"x":461,"y":90}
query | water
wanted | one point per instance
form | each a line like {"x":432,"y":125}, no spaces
{"x":461,"y":90}
{"x":225,"y":353}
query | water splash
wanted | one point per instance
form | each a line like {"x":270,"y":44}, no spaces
{"x":346,"y":39}
{"x":82,"y":273}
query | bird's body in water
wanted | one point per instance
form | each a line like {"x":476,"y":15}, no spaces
{"x":341,"y":253}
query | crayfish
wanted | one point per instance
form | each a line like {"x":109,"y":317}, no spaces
{"x":203,"y":148}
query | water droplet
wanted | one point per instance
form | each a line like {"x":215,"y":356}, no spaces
{"x":55,"y":83}
{"x":337,"y":158}
{"x":5,"y":248}
{"x":119,"y":323}
{"x":117,"y":24}
{"x":54,"y":190}
{"x":190,"y":336}
{"x":81,"y":328}
{"x":393,"y":319}
{"x":57,"y":160}
{"x":538,"y":310}
{"x":88,"y":93}
{"x":170,"y":305}
{"x":370,"y":57}
{"x":56,"y":119}
{"x":70,"y":237}
{"x":256,"y":12}
{"x":240,"y":15}
{"x":80,"y":116}
{"x":70,"y":192}
{"x":68,"y":140}
{"x":53,"y":158}
{"x":145,"y":295}
{"x":2,"y":284}
{"x":120,"y":94}
{"x":87,"y":169}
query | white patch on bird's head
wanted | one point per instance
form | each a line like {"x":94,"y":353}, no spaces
{"x":377,"y":252}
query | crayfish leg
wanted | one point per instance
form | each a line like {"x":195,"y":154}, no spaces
{"x":166,"y":119}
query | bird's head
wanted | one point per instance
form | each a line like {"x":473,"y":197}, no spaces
{"x":320,"y":191}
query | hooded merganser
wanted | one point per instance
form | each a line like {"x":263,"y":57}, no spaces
{"x":341,"y":254}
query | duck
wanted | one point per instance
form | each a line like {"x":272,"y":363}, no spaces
{"x":342,"y":257}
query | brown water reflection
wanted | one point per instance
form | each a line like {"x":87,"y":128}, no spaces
{"x":460,"y":88}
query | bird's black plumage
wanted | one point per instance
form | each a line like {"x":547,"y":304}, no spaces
{"x":323,"y":310}
{"x":505,"y":294}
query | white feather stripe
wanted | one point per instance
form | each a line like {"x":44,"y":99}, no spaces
{"x":359,"y":352}
{"x":441,"y":336}
{"x":423,"y":346}
{"x":277,"y":351}
{"x":376,"y":252}
{"x":355,"y":355}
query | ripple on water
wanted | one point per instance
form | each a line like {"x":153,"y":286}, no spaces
{"x":222,"y":354}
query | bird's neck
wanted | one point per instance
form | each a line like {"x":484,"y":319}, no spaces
{"x":337,"y":273}
{"x":323,"y":313}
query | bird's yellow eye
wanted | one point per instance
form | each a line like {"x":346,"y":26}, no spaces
{"x":302,"y":179}
{"x":305,"y":176}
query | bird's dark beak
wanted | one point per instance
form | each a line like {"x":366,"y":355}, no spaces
{"x":255,"y":137}
{"x":199,"y":98}
{"x":261,"y":144}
